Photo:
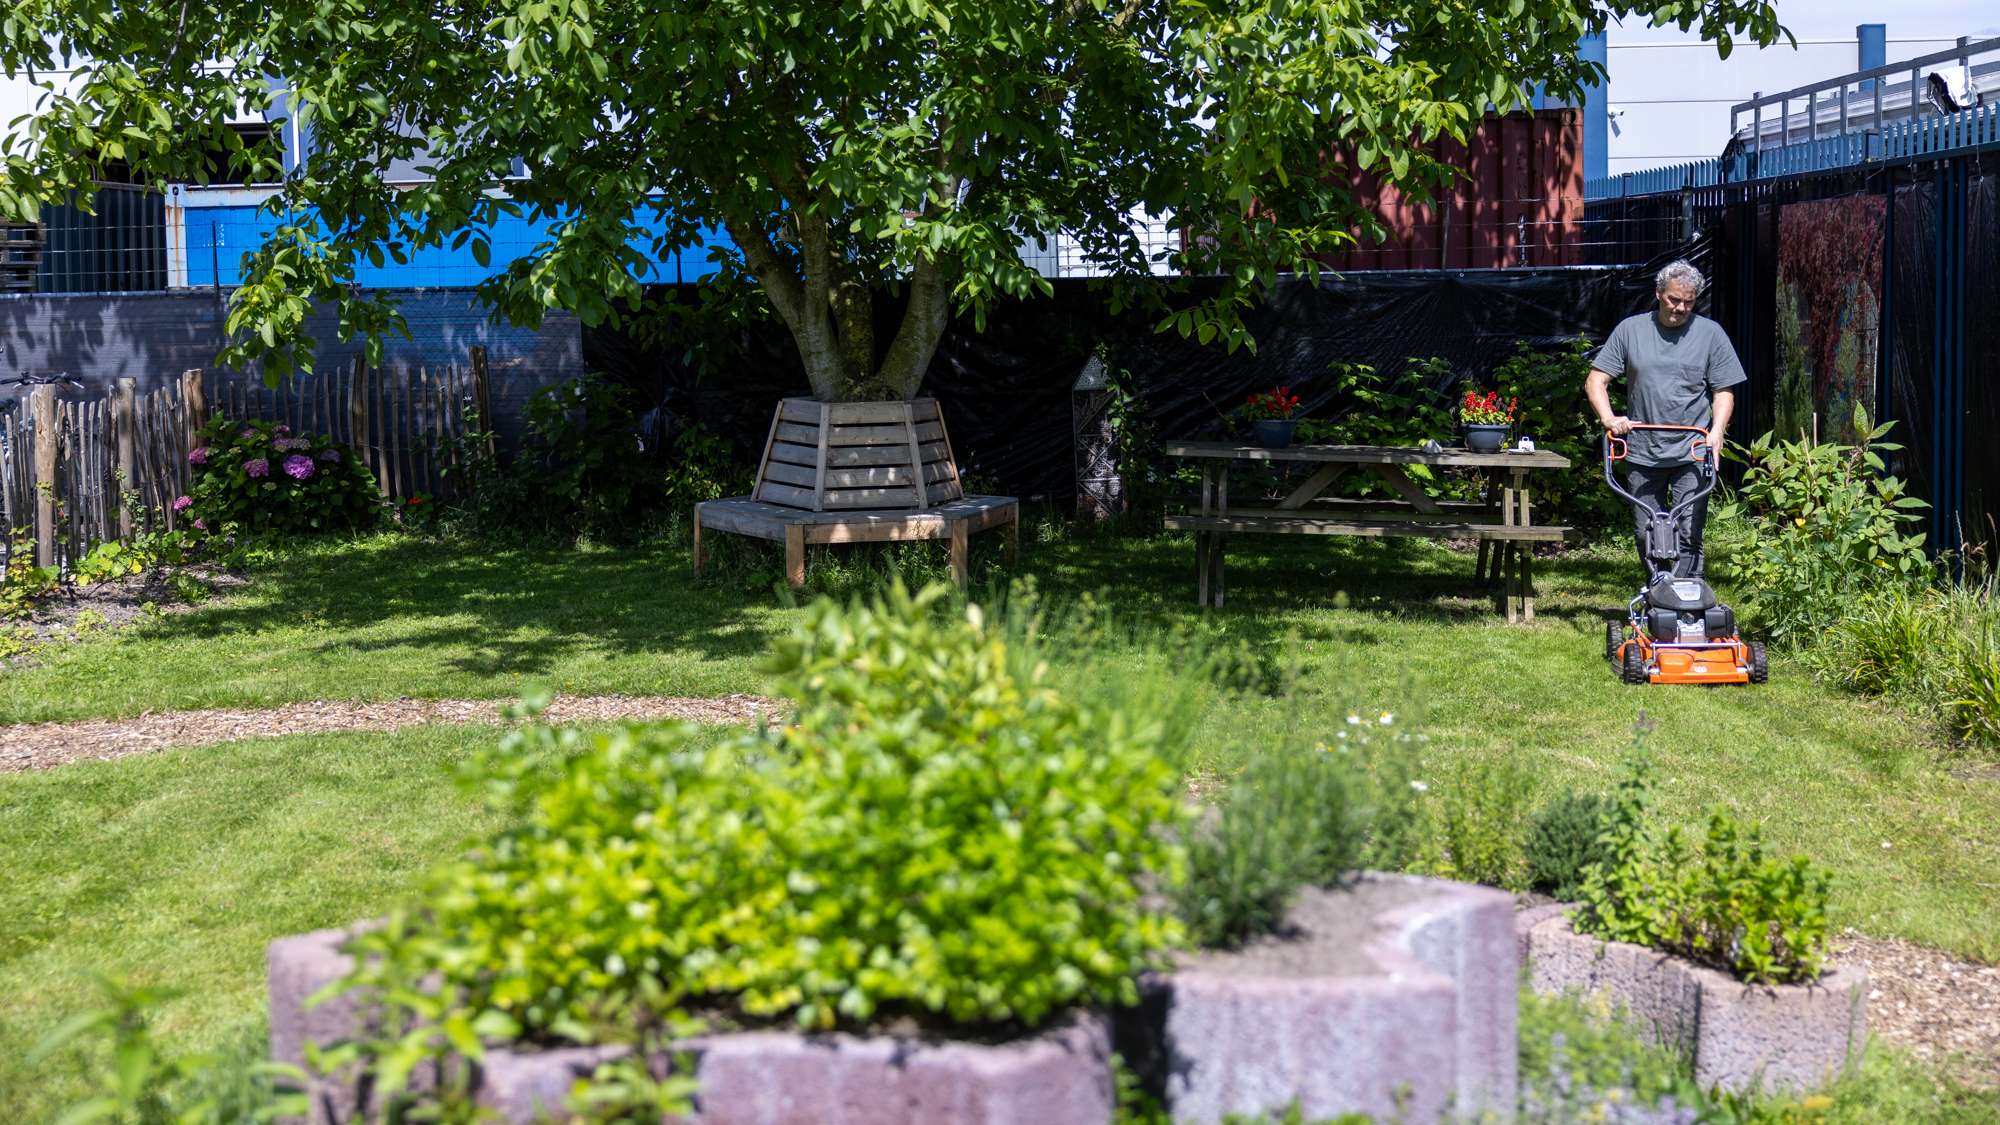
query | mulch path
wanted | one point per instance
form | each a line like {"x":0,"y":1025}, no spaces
{"x":30,"y":746}
{"x":1943,"y":1009}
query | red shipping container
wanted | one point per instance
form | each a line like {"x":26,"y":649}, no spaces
{"x":1518,"y":201}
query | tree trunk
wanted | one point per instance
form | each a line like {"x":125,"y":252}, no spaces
{"x":831,"y":316}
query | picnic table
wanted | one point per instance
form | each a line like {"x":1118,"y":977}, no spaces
{"x":1502,"y":523}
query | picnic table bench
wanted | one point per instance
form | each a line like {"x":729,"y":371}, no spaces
{"x":1503,"y":523}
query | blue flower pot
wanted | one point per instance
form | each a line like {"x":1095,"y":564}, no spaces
{"x":1485,"y":438}
{"x":1273,"y":433}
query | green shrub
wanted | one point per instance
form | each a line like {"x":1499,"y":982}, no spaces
{"x":1287,"y":822}
{"x":1724,"y":904}
{"x":1564,"y":839}
{"x":1825,"y":526}
{"x":1556,"y":415}
{"x":585,"y":468}
{"x":1472,"y":823}
{"x":939,"y":832}
{"x":259,"y":480}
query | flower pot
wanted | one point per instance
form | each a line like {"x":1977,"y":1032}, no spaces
{"x":1485,"y":437}
{"x":1272,"y":433}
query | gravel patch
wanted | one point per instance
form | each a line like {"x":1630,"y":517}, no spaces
{"x":1943,"y":1009}
{"x":29,"y":746}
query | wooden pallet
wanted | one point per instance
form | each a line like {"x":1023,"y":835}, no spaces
{"x":857,"y":455}
{"x":957,"y":520}
{"x":21,"y":246}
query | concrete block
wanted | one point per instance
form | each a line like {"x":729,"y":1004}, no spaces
{"x":1421,"y":1028}
{"x":1791,"y":1038}
{"x":1783,"y":1038}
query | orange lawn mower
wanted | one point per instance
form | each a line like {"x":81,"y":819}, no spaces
{"x":1675,"y":631}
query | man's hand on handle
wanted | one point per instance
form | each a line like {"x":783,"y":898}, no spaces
{"x":1619,"y":425}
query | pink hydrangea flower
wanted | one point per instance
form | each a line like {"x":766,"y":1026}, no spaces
{"x":183,"y":503}
{"x":246,"y":433}
{"x":286,"y":444}
{"x":257,"y":467}
{"x":284,"y":429}
{"x":298,"y":466}
{"x":201,"y":525}
{"x":198,"y":455}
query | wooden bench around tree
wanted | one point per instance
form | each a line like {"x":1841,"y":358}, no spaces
{"x":1503,"y":524}
{"x":957,"y":520}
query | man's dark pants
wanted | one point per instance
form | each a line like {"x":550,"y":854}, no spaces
{"x":1657,"y":483}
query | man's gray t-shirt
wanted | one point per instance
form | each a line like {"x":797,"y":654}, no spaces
{"x":1669,"y":375}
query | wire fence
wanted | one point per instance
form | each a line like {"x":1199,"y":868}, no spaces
{"x":187,"y":250}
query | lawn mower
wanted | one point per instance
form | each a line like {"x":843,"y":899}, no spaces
{"x":1675,"y":631}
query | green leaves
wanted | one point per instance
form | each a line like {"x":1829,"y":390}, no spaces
{"x":1823,"y":526}
{"x":939,"y":134}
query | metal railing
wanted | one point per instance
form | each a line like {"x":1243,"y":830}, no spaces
{"x":1864,"y":99}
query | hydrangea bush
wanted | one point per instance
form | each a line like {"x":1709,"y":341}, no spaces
{"x":260,"y":479}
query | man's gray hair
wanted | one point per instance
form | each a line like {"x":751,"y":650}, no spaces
{"x":1680,"y":270}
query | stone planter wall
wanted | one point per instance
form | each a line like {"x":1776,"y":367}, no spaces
{"x":1061,"y":1077}
{"x":1406,"y":1014}
{"x":1414,"y":1024}
{"x":1784,"y":1038}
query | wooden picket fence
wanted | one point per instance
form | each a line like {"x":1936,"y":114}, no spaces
{"x":77,"y":474}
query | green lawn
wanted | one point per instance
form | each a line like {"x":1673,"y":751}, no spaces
{"x":178,"y":867}
{"x":393,"y":616}
{"x":175,"y":869}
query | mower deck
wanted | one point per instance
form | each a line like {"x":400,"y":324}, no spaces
{"x":1729,"y":661}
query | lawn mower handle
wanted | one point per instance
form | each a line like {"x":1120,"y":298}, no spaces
{"x":1614,"y":450}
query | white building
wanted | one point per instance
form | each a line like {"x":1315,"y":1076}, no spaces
{"x":1669,"y":94}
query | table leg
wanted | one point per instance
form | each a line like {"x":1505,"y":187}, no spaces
{"x":1510,"y":583}
{"x":795,"y":555}
{"x":1528,"y":583}
{"x":1201,"y":539}
{"x":1479,"y":571}
{"x":1215,"y":553}
{"x":699,"y":557}
{"x":961,"y":553}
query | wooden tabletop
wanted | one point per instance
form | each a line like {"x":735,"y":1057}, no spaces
{"x":1368,"y":455}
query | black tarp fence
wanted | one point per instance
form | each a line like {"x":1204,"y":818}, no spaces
{"x":1938,"y":359}
{"x":1006,"y":389}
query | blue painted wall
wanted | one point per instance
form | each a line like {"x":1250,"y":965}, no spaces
{"x":219,"y":236}
{"x":1596,"y":114}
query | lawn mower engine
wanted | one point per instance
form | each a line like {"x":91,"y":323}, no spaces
{"x":1676,"y":632}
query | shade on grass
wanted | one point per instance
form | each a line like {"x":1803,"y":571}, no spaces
{"x":180,"y":866}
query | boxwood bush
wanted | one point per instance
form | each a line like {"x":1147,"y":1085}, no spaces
{"x":938,"y":833}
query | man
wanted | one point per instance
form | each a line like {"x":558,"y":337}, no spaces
{"x":1679,"y":370}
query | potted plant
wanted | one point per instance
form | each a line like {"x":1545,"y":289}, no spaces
{"x":1486,"y":420}
{"x":1270,"y":417}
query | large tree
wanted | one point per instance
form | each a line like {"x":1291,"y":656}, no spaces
{"x":855,"y":151}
